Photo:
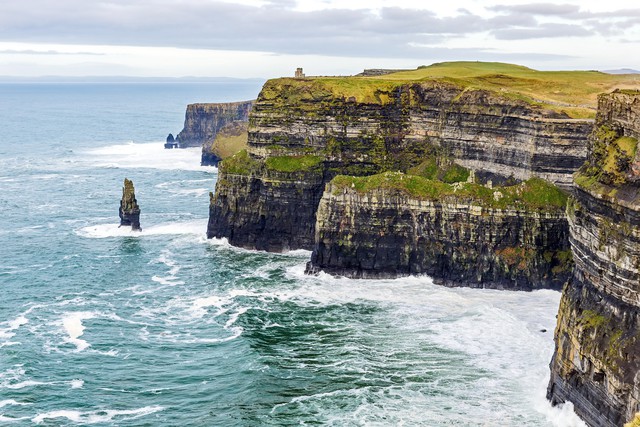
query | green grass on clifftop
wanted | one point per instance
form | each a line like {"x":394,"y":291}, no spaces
{"x":533,"y":194}
{"x":239,"y":164}
{"x":571,"y":92}
{"x":292,"y":163}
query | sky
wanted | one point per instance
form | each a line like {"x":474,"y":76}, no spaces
{"x":270,"y":38}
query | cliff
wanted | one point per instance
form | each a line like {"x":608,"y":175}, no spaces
{"x":230,"y":139}
{"x":367,"y":125}
{"x":129,"y":210}
{"x":203,"y":121}
{"x":462,"y":234}
{"x":596,"y":364}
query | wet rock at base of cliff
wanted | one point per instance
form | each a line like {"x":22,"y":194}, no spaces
{"x":129,"y":209}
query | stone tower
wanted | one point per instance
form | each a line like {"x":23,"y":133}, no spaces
{"x":299,"y":74}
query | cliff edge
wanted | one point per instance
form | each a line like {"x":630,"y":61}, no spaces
{"x":596,"y":364}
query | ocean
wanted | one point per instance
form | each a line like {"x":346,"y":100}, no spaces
{"x":103,"y":326}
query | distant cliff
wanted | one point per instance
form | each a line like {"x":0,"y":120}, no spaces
{"x":596,"y":364}
{"x":202,"y":122}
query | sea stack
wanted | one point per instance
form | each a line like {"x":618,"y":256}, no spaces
{"x":129,"y":209}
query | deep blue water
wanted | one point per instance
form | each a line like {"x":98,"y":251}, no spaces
{"x":102,"y":326}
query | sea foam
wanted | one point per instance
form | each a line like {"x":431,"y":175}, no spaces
{"x":72,"y":324}
{"x":147,"y":155}
{"x":98,"y":416}
{"x":101,"y":231}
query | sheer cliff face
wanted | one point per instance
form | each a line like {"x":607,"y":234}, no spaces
{"x":457,"y":239}
{"x":388,"y":128}
{"x":596,"y":364}
{"x":203,"y":121}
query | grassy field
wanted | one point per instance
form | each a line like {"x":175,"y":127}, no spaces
{"x":574,"y":92}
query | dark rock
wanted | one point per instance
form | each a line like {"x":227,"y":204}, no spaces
{"x":171,"y":142}
{"x":129,"y":209}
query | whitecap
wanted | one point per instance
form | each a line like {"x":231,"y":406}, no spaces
{"x":147,"y":155}
{"x":12,"y":325}
{"x":23,"y":384}
{"x":101,"y":231}
{"x":76,"y":383}
{"x":72,"y":324}
{"x":98,"y":416}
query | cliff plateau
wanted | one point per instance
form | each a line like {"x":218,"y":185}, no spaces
{"x":596,"y":364}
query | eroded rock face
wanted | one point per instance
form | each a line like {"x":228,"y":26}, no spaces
{"x":390,"y":130}
{"x":203,"y":121}
{"x":388,"y":233}
{"x":596,"y":364}
{"x":129,"y":209}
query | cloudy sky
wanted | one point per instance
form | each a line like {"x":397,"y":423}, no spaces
{"x":267,"y":38}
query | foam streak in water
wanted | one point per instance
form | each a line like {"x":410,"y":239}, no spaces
{"x":99,"y":416}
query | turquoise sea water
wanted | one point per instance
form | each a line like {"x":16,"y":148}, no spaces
{"x":102,"y":326}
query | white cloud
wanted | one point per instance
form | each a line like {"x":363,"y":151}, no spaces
{"x":270,"y":37}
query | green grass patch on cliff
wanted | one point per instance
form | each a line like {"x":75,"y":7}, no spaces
{"x":591,"y":319}
{"x":293,"y":163}
{"x":239,"y":164}
{"x":534,"y":194}
{"x":444,"y":170}
{"x":609,"y":163}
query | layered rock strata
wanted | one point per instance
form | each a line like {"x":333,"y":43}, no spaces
{"x":129,"y":209}
{"x":371,"y":128}
{"x":462,"y":234}
{"x":203,"y":121}
{"x":596,"y":364}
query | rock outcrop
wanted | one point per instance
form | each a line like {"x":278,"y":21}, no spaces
{"x":355,"y":126}
{"x":463,"y":234}
{"x":171,"y":142}
{"x":596,"y":364}
{"x":129,"y":209}
{"x":202,"y":122}
{"x":230,"y":140}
